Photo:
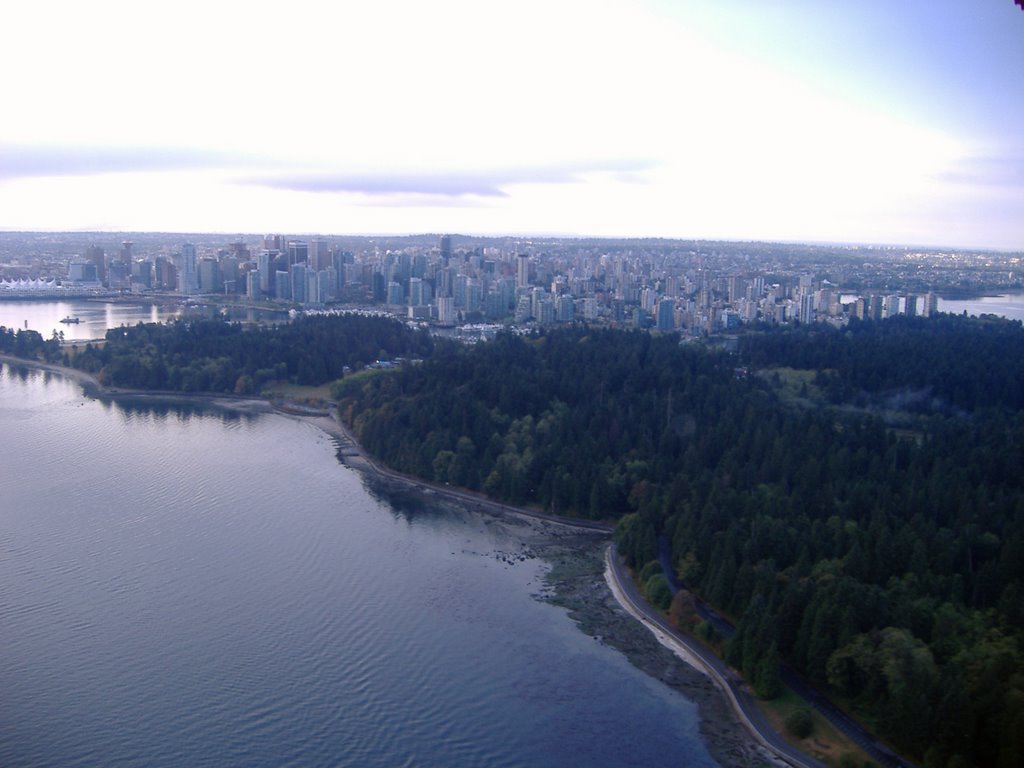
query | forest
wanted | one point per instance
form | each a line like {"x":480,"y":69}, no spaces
{"x":851,"y":498}
{"x":29,"y":344}
{"x":218,"y":356}
{"x":872,"y":536}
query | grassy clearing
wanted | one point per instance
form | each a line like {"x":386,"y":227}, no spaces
{"x":794,"y":385}
{"x":298,"y":394}
{"x":825,"y":742}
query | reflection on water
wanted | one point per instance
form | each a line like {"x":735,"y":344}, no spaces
{"x":95,"y":318}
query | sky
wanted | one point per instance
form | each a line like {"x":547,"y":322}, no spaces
{"x":877,"y":121}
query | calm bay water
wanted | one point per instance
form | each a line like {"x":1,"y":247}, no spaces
{"x":1008,"y":305}
{"x":193,"y":588}
{"x":96,"y":317}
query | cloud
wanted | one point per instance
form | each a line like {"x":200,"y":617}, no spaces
{"x":28,"y":161}
{"x":482,"y":183}
{"x":391,"y":187}
{"x":1005,"y":172}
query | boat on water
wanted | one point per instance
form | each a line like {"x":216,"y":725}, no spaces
{"x":70,"y":319}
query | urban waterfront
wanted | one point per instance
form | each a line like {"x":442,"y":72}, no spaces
{"x":96,"y":317}
{"x":187,"y":587}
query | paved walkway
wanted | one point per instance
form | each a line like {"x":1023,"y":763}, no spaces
{"x":700,"y":658}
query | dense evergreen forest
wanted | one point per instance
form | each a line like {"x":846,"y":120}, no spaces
{"x":29,"y":344}
{"x":870,"y":530}
{"x":217,"y":356}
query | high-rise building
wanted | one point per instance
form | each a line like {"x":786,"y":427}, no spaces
{"x":97,"y":256}
{"x":263,"y":262}
{"x":252,"y":285}
{"x":910,"y":305}
{"x":396,"y":294}
{"x":665,"y":320}
{"x":807,"y":308}
{"x":189,"y":282}
{"x":319,"y":254}
{"x":446,"y":310}
{"x":210,"y":280}
{"x":297,"y":271}
{"x":282,"y":285}
{"x":415,"y":291}
{"x":142,"y":275}
{"x":522,"y":270}
{"x":566,"y":308}
{"x":298,"y":252}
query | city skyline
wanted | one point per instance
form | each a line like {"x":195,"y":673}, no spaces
{"x":741,"y":121}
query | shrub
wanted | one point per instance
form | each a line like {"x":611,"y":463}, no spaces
{"x":800,"y":723}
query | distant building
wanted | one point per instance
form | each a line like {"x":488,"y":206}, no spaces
{"x":189,"y":282}
{"x":445,"y":310}
{"x":445,"y":247}
{"x":210,"y":280}
{"x":666,"y":315}
{"x":396,"y":294}
{"x":931,"y":304}
{"x":97,"y":256}
{"x":80,"y":271}
{"x":297,"y":272}
{"x":282,"y":285}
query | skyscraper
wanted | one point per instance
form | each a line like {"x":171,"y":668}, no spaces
{"x":189,"y":282}
{"x":96,"y":255}
{"x":298,"y":252}
{"x":319,"y":254}
{"x":446,"y":249}
{"x":522,"y":270}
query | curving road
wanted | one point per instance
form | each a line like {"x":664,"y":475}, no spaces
{"x":739,"y":698}
{"x":850,"y":728}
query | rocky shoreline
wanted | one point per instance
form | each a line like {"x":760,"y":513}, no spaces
{"x":577,"y":583}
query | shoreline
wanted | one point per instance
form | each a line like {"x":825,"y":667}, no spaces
{"x":573,"y":549}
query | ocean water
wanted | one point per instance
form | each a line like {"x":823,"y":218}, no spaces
{"x":187,"y":587}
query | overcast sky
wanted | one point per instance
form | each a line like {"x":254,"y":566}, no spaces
{"x":884,"y":121}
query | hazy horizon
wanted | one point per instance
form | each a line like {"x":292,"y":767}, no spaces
{"x":791,"y":122}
